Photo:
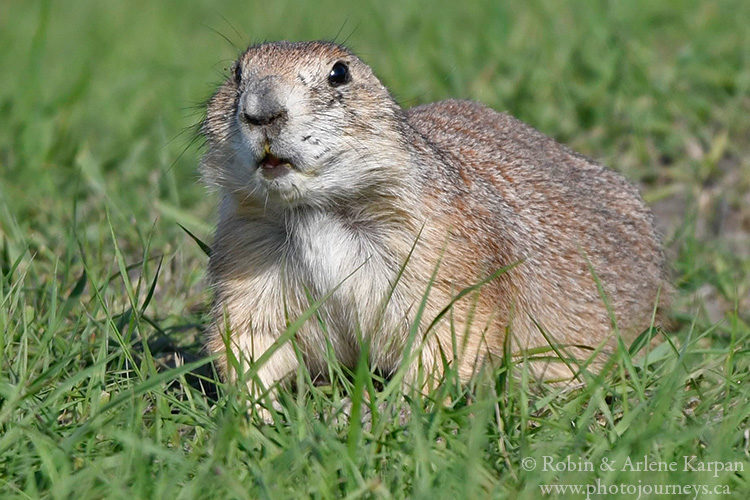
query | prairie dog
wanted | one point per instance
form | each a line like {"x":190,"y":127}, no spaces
{"x":328,"y":186}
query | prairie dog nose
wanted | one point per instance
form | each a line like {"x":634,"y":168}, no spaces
{"x":259,"y":105}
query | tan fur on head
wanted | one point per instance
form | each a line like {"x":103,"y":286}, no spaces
{"x":326,"y":182}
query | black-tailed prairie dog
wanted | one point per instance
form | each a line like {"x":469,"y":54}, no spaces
{"x":328,"y":186}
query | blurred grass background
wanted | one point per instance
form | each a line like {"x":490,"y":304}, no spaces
{"x":98,"y":107}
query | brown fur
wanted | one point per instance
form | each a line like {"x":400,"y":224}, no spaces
{"x":468,"y":189}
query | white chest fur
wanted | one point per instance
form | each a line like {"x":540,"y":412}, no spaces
{"x":289,"y":261}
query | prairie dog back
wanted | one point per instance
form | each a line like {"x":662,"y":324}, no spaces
{"x":570,"y":220}
{"x":327,"y":186}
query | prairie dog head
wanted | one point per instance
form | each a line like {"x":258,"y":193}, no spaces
{"x":301,"y":124}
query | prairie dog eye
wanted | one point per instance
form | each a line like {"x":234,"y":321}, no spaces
{"x":339,"y":74}
{"x":237,"y":71}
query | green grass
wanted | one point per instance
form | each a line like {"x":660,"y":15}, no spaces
{"x":104,"y":388}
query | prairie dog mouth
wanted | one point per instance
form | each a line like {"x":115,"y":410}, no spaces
{"x":272,"y":166}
